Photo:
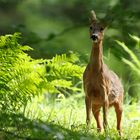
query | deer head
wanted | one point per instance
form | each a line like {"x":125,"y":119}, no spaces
{"x":96,"y":28}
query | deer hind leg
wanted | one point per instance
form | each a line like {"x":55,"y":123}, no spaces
{"x":96,"y":113}
{"x":118,"y":110}
{"x":88,"y":110}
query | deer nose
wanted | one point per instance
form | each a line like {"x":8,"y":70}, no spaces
{"x":94,"y":36}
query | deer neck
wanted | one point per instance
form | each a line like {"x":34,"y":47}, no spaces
{"x":96,"y":58}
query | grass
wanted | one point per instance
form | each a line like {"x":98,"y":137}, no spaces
{"x":64,"y":118}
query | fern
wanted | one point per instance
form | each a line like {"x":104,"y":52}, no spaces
{"x":134,"y":64}
{"x":62,"y":70}
{"x":21,"y":77}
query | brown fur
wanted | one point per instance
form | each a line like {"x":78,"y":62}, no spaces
{"x":102,"y":86}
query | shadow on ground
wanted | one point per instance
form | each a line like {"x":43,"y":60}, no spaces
{"x":18,"y":127}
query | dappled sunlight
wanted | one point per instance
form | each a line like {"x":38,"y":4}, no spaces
{"x":69,"y":113}
{"x":45,"y":46}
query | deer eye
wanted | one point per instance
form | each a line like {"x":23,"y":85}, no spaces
{"x":101,"y":29}
{"x":91,"y":28}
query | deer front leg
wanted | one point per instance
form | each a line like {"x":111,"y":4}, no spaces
{"x":88,"y":110}
{"x":118,"y":110}
{"x":105,"y":110}
{"x":96,"y":113}
{"x":105,"y":104}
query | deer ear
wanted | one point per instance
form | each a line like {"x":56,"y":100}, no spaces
{"x":93,"y":16}
{"x":103,"y":25}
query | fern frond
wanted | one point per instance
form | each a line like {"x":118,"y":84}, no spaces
{"x":131,"y":54}
{"x":137,"y":39}
{"x":21,"y":77}
{"x":132,"y":65}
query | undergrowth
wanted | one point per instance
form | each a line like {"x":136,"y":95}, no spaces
{"x":69,"y":114}
{"x":43,"y":99}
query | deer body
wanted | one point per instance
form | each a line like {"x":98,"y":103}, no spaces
{"x":102,"y":86}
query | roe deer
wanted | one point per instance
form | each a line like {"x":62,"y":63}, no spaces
{"x":102,"y":86}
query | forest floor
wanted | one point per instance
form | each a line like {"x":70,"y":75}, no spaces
{"x":65,"y":119}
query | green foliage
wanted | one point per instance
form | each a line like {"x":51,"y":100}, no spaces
{"x":133,"y":62}
{"x":65,"y":120}
{"x":63,"y":72}
{"x":21,"y":77}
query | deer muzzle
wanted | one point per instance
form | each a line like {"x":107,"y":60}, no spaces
{"x":94,"y":37}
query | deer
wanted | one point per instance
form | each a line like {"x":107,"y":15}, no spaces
{"x":102,"y":86}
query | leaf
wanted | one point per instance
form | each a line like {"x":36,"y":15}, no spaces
{"x":133,"y":66}
{"x":132,"y":55}
{"x":137,"y":39}
{"x":21,"y":77}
